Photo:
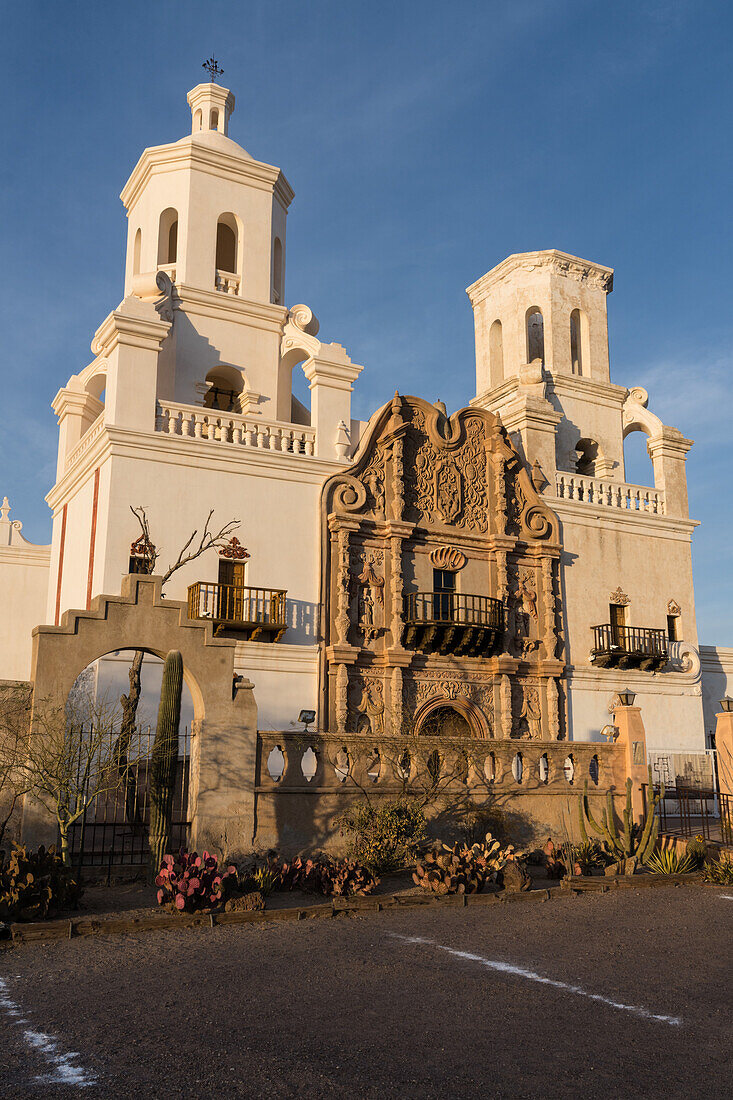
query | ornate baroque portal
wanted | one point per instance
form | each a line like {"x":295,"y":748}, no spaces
{"x":438,"y":582}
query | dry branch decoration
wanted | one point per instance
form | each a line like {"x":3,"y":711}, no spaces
{"x":191,"y":550}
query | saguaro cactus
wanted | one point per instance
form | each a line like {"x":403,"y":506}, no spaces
{"x":164,"y":758}
{"x":630,"y":842}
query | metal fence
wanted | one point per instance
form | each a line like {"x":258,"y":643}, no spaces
{"x":114,"y":829}
{"x":696,"y":811}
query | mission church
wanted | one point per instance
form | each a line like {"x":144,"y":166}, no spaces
{"x":491,"y":572}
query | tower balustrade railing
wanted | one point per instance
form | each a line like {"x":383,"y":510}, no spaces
{"x":217,"y":427}
{"x":609,"y":494}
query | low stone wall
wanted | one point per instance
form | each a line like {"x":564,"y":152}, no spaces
{"x":304,"y":781}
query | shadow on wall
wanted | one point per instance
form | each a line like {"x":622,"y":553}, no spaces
{"x":302,"y":616}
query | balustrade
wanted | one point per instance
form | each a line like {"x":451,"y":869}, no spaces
{"x":609,"y":494}
{"x":321,"y":763}
{"x":226,"y":282}
{"x":215,"y":426}
{"x":92,"y":433}
{"x":616,"y":646}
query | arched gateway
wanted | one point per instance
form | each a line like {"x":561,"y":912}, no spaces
{"x":224,"y":734}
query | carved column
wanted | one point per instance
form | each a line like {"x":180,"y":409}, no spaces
{"x":548,"y":603}
{"x":396,"y":701}
{"x":342,"y":582}
{"x":395,"y":544}
{"x":553,"y":712}
{"x":342,"y":698}
{"x":506,"y":707}
{"x":398,"y":488}
{"x":500,"y":493}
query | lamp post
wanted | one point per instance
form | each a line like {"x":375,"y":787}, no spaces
{"x":626,"y":697}
{"x":726,"y":704}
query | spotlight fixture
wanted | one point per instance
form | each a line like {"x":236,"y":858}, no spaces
{"x":306,"y":717}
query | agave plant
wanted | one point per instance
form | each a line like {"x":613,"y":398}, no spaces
{"x":719,"y":870}
{"x":668,"y":861}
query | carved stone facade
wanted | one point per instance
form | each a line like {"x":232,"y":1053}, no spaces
{"x":429,"y":498}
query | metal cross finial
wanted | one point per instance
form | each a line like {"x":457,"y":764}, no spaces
{"x":212,"y":68}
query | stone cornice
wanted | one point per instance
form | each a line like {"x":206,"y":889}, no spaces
{"x":211,"y":303}
{"x":113,"y":441}
{"x":124,"y":327}
{"x":26,"y":555}
{"x":586,"y":389}
{"x":714,"y":658}
{"x":71,"y":401}
{"x":641,"y":523}
{"x":646,"y":683}
{"x":188,"y":154}
{"x":553,"y":261}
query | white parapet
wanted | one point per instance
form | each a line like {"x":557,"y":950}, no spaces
{"x":215,"y":426}
{"x":609,"y":494}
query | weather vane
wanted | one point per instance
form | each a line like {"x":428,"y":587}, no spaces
{"x":212,"y":68}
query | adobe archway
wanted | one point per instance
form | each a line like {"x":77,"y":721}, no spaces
{"x":224,"y":735}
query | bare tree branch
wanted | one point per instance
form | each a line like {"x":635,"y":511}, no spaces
{"x":208,"y":540}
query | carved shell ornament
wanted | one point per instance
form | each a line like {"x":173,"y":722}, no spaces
{"x":234,"y":550}
{"x":448,"y":558}
{"x":619,"y":597}
{"x":673,"y":608}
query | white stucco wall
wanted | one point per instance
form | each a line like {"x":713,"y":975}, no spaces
{"x":24,"y":577}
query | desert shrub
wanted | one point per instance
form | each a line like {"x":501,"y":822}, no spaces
{"x":480,"y":820}
{"x":330,"y":877}
{"x":189,"y":881}
{"x":383,"y":836}
{"x":668,"y":861}
{"x":719,"y":870}
{"x":461,"y":869}
{"x":35,"y":885}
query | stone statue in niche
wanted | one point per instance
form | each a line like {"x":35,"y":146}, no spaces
{"x":528,"y":723}
{"x":367,"y":695}
{"x":370,"y":594}
{"x":523,"y":609}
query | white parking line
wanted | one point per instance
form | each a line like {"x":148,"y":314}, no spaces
{"x":531,"y":975}
{"x":728,"y":897}
{"x":63,"y":1071}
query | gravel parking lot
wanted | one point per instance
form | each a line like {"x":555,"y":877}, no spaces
{"x":619,"y":995}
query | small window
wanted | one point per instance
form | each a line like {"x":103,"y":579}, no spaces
{"x":197,"y":120}
{"x":168,"y":237}
{"x":535,"y":335}
{"x":277,"y":271}
{"x":136,"y":250}
{"x":496,"y":353}
{"x":673,"y":626}
{"x":617,"y":618}
{"x":214,"y":120}
{"x":576,"y":349}
{"x":226,"y":248}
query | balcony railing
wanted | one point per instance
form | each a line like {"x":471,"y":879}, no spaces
{"x":226,"y":282}
{"x":259,"y":613}
{"x":452,"y":622}
{"x":629,"y":647}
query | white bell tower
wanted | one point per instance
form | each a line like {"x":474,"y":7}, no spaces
{"x":212,"y":218}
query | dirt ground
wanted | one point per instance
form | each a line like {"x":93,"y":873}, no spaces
{"x":625,"y":994}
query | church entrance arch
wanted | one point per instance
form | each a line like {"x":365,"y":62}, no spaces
{"x":452,"y":718}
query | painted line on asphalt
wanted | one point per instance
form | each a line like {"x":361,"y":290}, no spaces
{"x":728,"y":897}
{"x":532,"y":975}
{"x":64,"y":1071}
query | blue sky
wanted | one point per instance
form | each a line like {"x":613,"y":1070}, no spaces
{"x":425,"y":142}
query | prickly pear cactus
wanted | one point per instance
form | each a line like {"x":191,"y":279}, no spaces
{"x":460,"y":869}
{"x":164,"y":759}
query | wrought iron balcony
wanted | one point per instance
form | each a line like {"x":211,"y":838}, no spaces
{"x":258,"y":613}
{"x":452,"y":622}
{"x":629,"y":647}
